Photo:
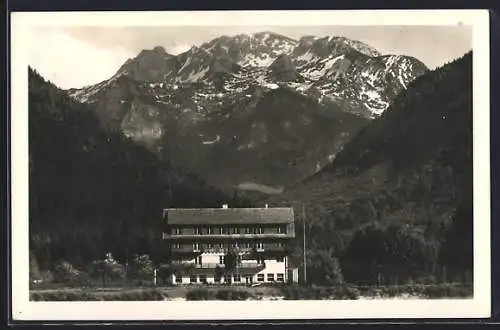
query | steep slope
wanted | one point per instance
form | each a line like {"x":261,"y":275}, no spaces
{"x":151,"y":65}
{"x":94,"y":191}
{"x":280,"y":138}
{"x":196,"y":105}
{"x":409,"y":170}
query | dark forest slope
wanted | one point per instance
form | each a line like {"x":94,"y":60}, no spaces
{"x":94,"y":191}
{"x":405,"y":177}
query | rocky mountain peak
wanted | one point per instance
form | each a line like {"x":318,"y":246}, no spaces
{"x":150,"y":65}
{"x":265,"y":35}
{"x":283,"y":69}
{"x":329,"y":69}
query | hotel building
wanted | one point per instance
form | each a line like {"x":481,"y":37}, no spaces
{"x":256,"y":240}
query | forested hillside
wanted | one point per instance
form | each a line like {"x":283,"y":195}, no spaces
{"x":396,"y":203}
{"x":94,"y":191}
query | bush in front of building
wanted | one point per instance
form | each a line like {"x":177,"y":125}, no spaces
{"x":200,"y":294}
{"x":107,"y":269}
{"x":66,"y":273}
{"x":232,"y":294}
{"x":320,"y":292}
{"x":62,"y":295}
{"x":427,"y":291}
{"x":447,"y":290}
{"x":141,"y":267}
{"x":222,"y":294}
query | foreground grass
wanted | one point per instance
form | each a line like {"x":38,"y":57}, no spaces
{"x":84,"y":295}
{"x":293,"y":292}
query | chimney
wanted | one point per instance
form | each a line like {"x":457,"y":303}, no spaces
{"x":266,"y":206}
{"x":224,"y":206}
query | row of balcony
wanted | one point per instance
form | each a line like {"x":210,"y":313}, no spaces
{"x":167,"y":236}
{"x":243,"y":248}
{"x":227,"y":230}
{"x":212,"y":265}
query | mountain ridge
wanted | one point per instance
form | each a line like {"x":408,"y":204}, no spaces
{"x":189,"y":103}
{"x":260,"y":50}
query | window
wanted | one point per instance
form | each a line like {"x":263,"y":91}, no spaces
{"x":280,"y":244}
{"x":236,"y":230}
{"x":281,"y":230}
{"x":247,"y":230}
{"x":237,"y":278}
{"x":260,"y":261}
{"x":176,"y":246}
{"x":177,"y":231}
{"x":193,"y":279}
{"x":259,"y":230}
{"x":198,"y":231}
{"x":178,"y":278}
{"x":221,"y":245}
{"x":198,"y":260}
{"x":270,"y":277}
{"x":196,"y":247}
{"x":221,"y":230}
{"x":280,"y":259}
{"x":209,"y":231}
{"x":260,"y":277}
{"x":260,"y":245}
{"x":221,"y":259}
{"x":234,"y":245}
{"x":248,"y":245}
{"x":280,"y":277}
{"x":203,"y":278}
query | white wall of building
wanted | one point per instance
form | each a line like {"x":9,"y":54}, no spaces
{"x":272,"y":267}
{"x":207,"y":258}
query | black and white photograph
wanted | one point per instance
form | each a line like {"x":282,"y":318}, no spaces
{"x":289,"y":164}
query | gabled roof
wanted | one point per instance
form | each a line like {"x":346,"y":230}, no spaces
{"x":229,"y":216}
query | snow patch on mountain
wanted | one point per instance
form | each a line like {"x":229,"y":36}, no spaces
{"x":322,"y":68}
{"x":217,"y":139}
{"x":266,"y":189}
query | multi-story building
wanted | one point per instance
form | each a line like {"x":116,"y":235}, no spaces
{"x":229,"y":245}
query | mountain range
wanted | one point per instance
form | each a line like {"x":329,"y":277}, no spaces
{"x":236,"y":110}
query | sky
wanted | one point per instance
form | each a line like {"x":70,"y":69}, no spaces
{"x":73,"y":57}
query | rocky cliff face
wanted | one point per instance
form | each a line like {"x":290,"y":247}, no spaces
{"x":205,"y":106}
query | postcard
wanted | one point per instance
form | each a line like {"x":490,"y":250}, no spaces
{"x":250,"y":165}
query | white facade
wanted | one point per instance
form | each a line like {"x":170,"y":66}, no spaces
{"x":275,"y":270}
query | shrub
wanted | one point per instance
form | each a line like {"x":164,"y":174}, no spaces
{"x":426,"y":279}
{"x":291,"y":293}
{"x":150,"y":295}
{"x":352,"y":293}
{"x":141,"y":267}
{"x":232,"y":294}
{"x":447,"y":291}
{"x":35,"y":296}
{"x":317,"y":292}
{"x":108,"y":268}
{"x":64,"y":272}
{"x":199,"y":294}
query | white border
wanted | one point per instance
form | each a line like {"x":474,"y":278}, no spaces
{"x":23,"y":309}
